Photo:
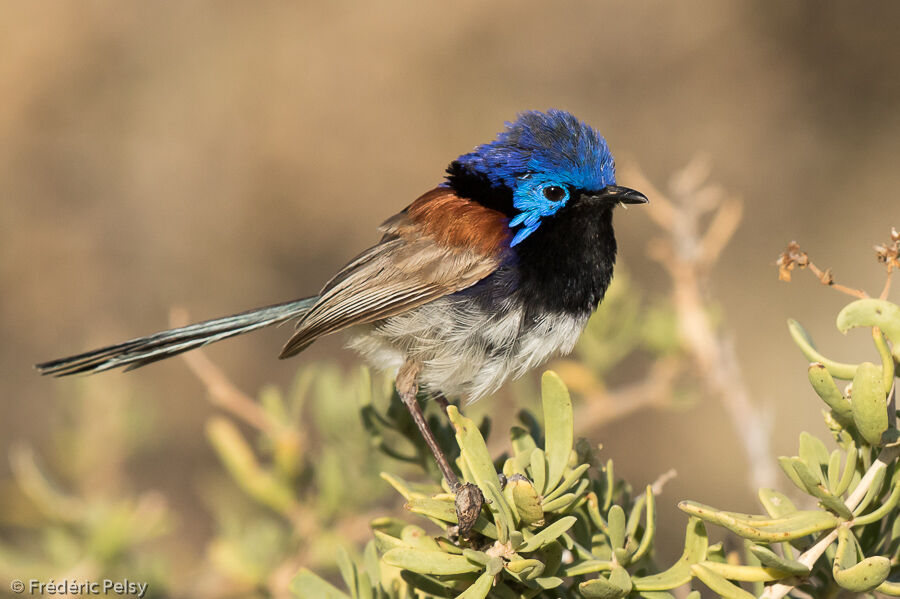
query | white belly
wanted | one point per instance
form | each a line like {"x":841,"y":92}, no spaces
{"x":466,"y":351}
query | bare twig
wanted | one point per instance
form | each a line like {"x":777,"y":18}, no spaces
{"x":221,"y":391}
{"x":886,"y":290}
{"x":687,"y":252}
{"x":603,"y":406}
{"x":887,"y":254}
{"x":720,"y":231}
{"x":826,"y":278}
{"x":657,"y":486}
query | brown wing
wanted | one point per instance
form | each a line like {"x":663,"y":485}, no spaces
{"x":439,"y":245}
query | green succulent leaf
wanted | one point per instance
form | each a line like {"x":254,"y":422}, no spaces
{"x":885,"y":509}
{"x":428,"y":584}
{"x":814,"y":454}
{"x":593,"y":510}
{"x":825,"y":387}
{"x":238,"y":457}
{"x":307,"y":585}
{"x":745,"y":573}
{"x":552,"y":555}
{"x":548,"y":582}
{"x":696,"y":543}
{"x":873,"y":491}
{"x":477,"y":557}
{"x":371,"y":562}
{"x":526,"y":500}
{"x":760,"y":528}
{"x":616,"y":586}
{"x":522,"y":443}
{"x":560,"y":503}
{"x":430,"y":562}
{"x":869,"y":403}
{"x":621,"y":578}
{"x":805,"y":343}
{"x":889,"y":588}
{"x":587,"y":567}
{"x":860,"y":577}
{"x":548,"y":534}
{"x":850,"y":463}
{"x":887,"y":360}
{"x":559,"y":426}
{"x":400,"y":485}
{"x":416,"y":537}
{"x":649,"y":527}
{"x":834,"y":469}
{"x":385,"y":542}
{"x":442,"y":508}
{"x":616,"y":521}
{"x":475,"y":454}
{"x":574,"y":476}
{"x":770,"y":559}
{"x":347,"y":568}
{"x":787,"y":466}
{"x":776,"y":503}
{"x":526,"y":569}
{"x":538,"y":470}
{"x":479,"y":589}
{"x":719,"y":584}
{"x":871,"y":312}
{"x":609,"y":485}
{"x":815,"y":487}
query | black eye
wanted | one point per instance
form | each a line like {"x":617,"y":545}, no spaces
{"x":554,"y":193}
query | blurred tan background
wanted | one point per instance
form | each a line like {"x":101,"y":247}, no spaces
{"x":220,"y":156}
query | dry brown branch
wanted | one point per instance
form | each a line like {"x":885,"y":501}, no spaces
{"x":794,"y":257}
{"x":889,"y":255}
{"x":720,"y":231}
{"x":221,"y":391}
{"x":656,"y":487}
{"x":602,"y":407}
{"x":686,"y":252}
{"x":886,"y":290}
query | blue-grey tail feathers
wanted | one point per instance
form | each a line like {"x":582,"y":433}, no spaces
{"x":165,"y":344}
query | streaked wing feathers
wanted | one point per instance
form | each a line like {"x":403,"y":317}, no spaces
{"x":418,"y":261}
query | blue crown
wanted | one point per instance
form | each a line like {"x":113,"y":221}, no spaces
{"x":545,"y":142}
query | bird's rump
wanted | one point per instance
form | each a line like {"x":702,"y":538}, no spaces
{"x":439,"y":245}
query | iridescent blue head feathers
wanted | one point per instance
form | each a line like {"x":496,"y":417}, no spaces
{"x":543,"y":157}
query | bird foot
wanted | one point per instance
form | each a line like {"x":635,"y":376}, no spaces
{"x":469,"y":500}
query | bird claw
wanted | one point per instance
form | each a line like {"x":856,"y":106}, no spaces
{"x":469,"y":500}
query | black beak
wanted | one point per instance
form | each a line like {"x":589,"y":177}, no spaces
{"x":620,"y":195}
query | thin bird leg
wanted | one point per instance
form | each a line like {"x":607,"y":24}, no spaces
{"x":407,"y":389}
{"x":469,"y":498}
{"x":442,"y":401}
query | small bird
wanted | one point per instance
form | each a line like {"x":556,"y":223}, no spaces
{"x":483,"y":277}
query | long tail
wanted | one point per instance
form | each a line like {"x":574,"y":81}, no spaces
{"x":159,"y":346}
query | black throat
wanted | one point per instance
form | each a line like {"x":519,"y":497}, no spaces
{"x":565,"y":266}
